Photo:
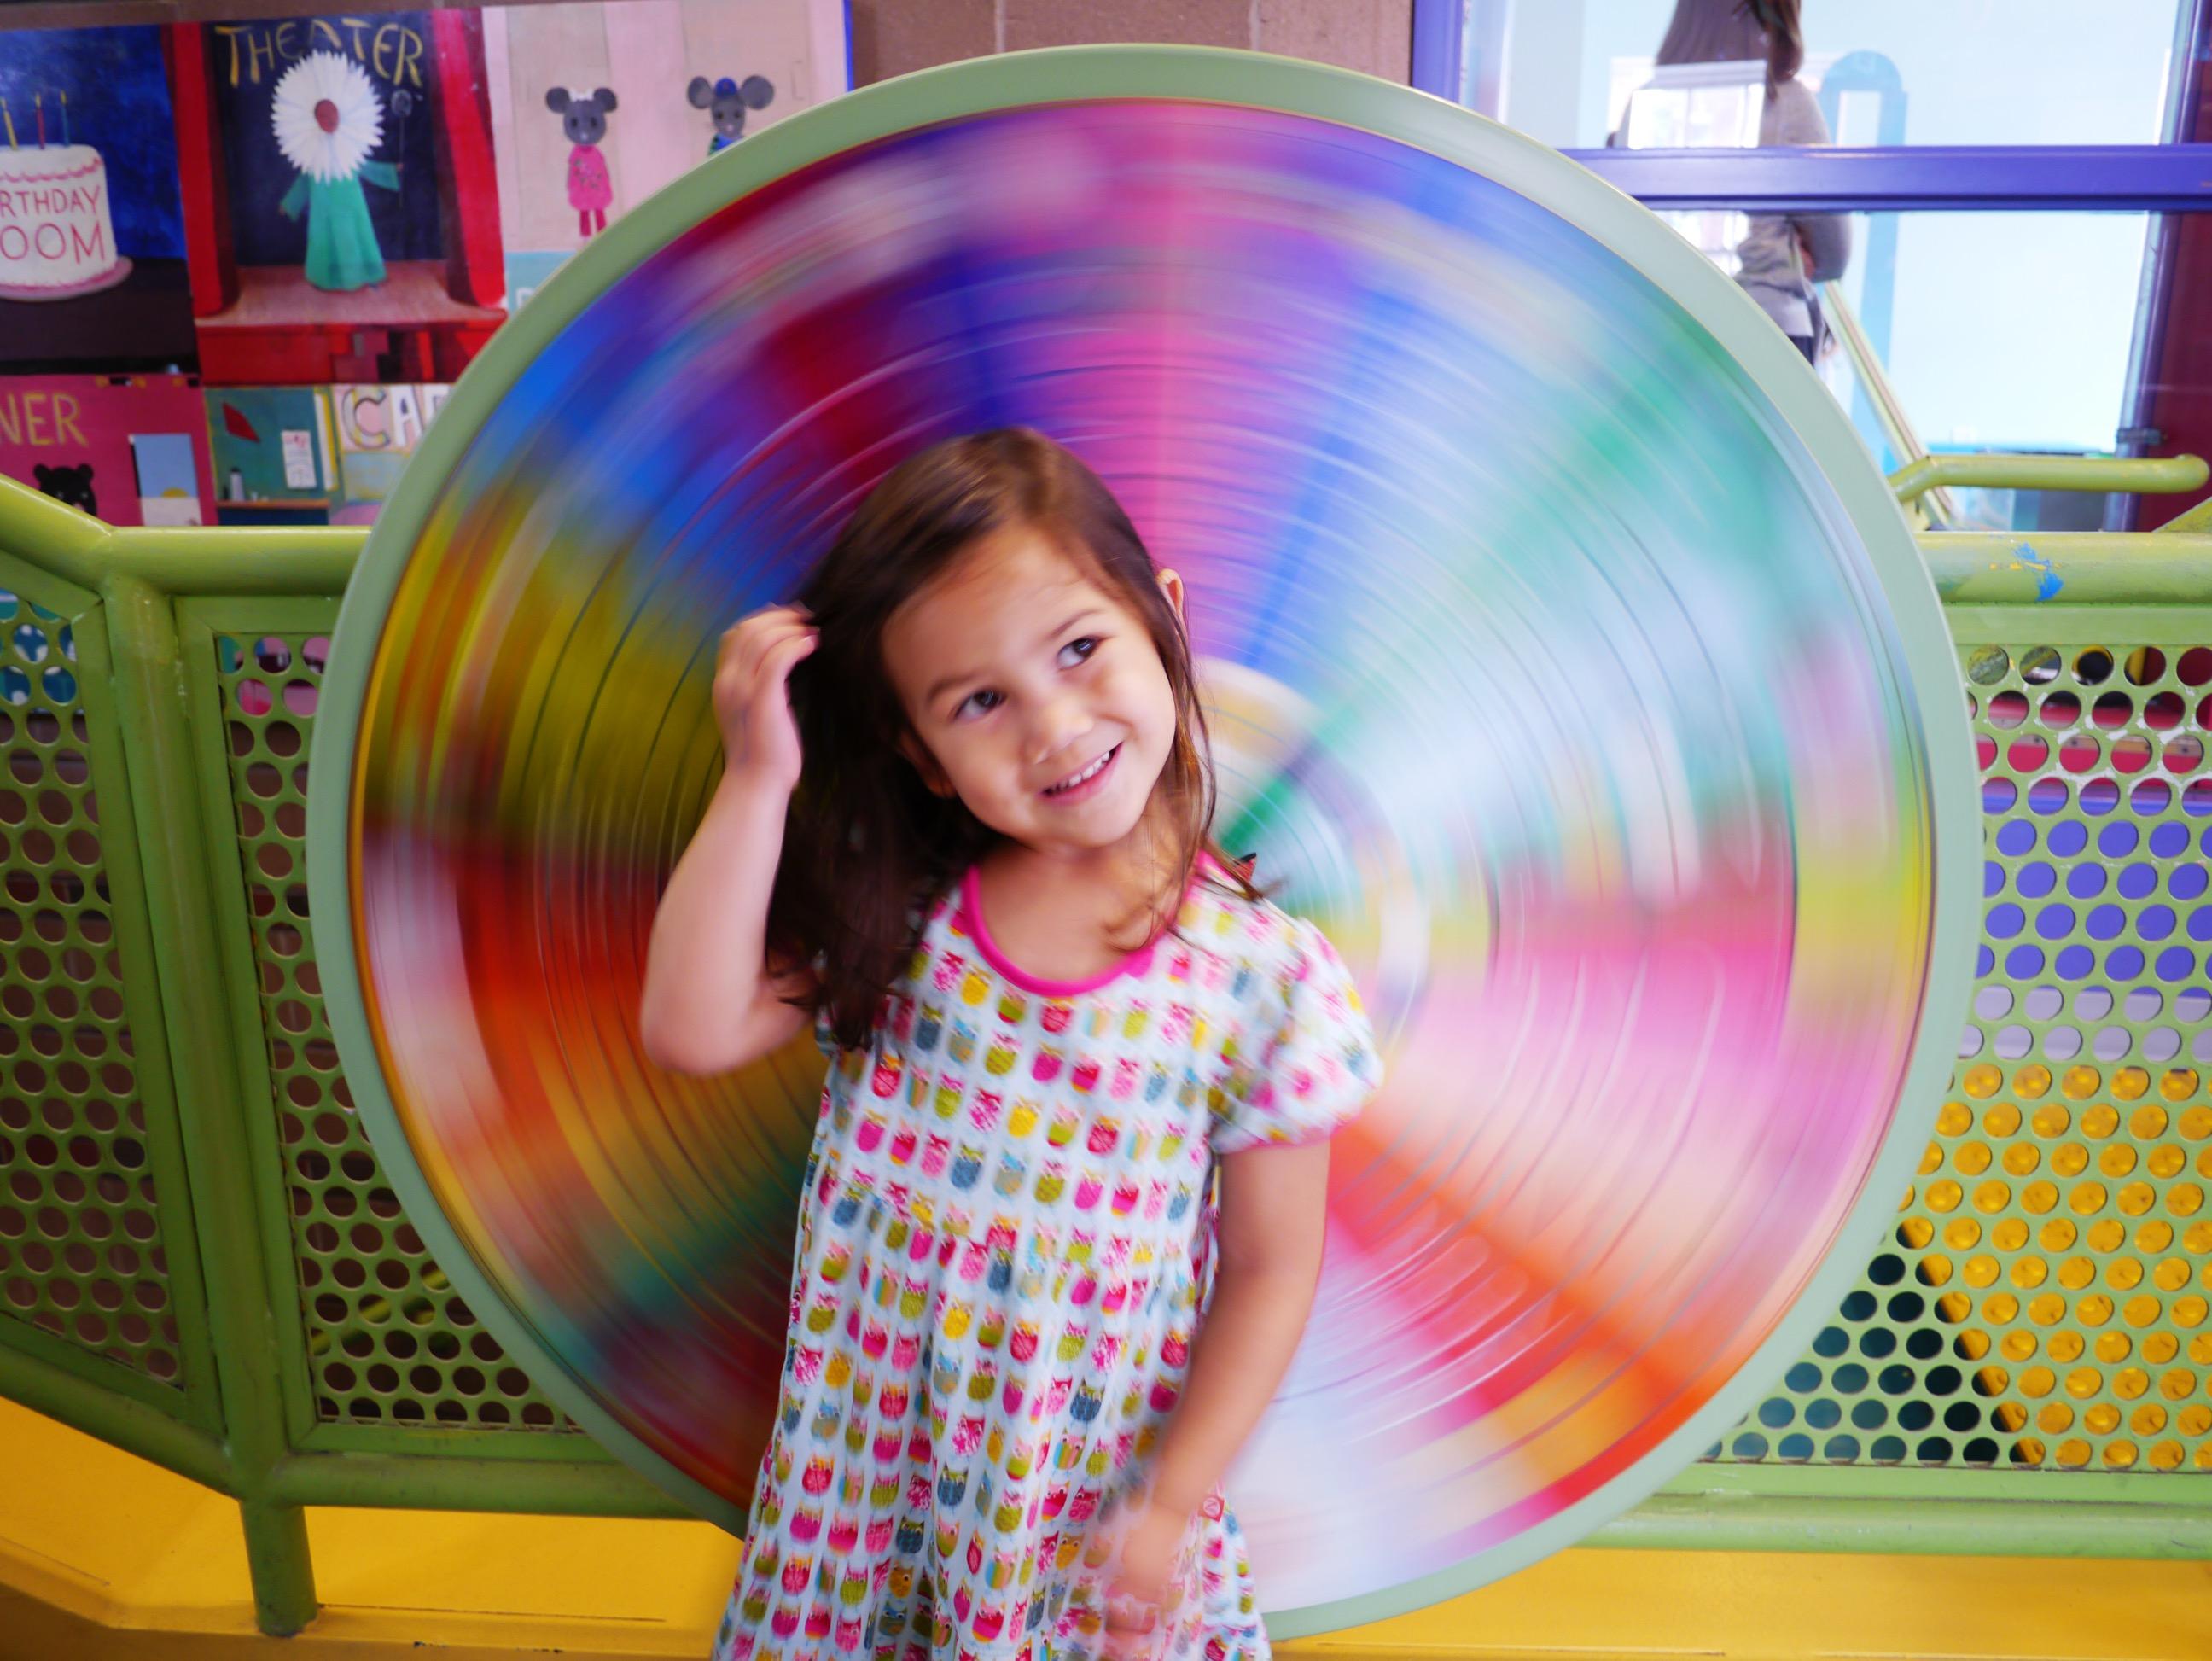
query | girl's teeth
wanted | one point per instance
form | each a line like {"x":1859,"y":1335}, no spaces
{"x":1087,"y":773}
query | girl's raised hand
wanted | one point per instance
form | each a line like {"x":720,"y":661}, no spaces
{"x":752,"y":703}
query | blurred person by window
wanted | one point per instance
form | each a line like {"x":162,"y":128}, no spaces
{"x":1709,"y":44}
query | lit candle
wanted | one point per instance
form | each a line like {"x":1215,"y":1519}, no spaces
{"x":38,"y":109}
{"x":10,"y":121}
{"x":65,"y":132}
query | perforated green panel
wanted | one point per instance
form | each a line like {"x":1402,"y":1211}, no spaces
{"x":2042,"y":1301}
{"x":81,"y":1225}
{"x":388,"y":1338}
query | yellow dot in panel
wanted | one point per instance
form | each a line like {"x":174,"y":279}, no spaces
{"x":2086,"y":1199}
{"x":1934,"y":1269}
{"x":2129,"y":1084}
{"x":2160,"y":1346}
{"x":2101,"y":1419}
{"x":2154,"y":1237}
{"x":2069,"y":1160}
{"x":2140,"y":1312}
{"x":2038,"y":1198}
{"x":2195,"y":1123}
{"x":2178,"y":1084}
{"x":2200,"y":1350}
{"x":2016,"y":1345}
{"x":1915,"y":1231}
{"x":2148,"y":1419}
{"x":2003,"y":1119}
{"x":2046,"y":1309}
{"x":2028,"y":1451}
{"x":1972,"y":1344}
{"x":1991,"y":1381}
{"x":2130,"y":1384}
{"x":2083,"y":1382}
{"x":2205,"y":1457}
{"x":2199,"y":1239}
{"x":2106,"y":1236}
{"x":2039,"y":1382}
{"x":2177,"y":1384}
{"x":1982,"y":1081}
{"x":1981,"y":1270}
{"x":2186,"y":1199}
{"x":2164,"y":1160}
{"x":2189,"y":1311}
{"x":2020,"y":1159}
{"x":1953,"y":1307}
{"x":2027,"y":1273}
{"x":1972,"y":1159}
{"x":2073,"y":1451}
{"x":2123,"y":1273}
{"x":2076,"y":1273}
{"x":2094,"y":1310}
{"x":2058,"y":1234}
{"x":2136,"y":1198}
{"x":2113,"y":1347}
{"x":2164,"y":1456}
{"x":1943,"y":1196}
{"x":2194,"y":1419}
{"x":2147,"y":1124}
{"x":2031,"y":1081}
{"x":1955,"y":1119}
{"x":2119,"y":1454}
{"x":2170,"y":1275}
{"x":1991,"y":1197}
{"x":1963,"y":1234}
{"x":2066,"y":1346}
{"x":2003,"y":1310}
{"x":2078,"y":1082}
{"x":1932,"y":1160}
{"x":1911,"y":1197}
{"x":2054,"y":1417}
{"x":2008,"y":1416}
{"x":2117,"y":1161}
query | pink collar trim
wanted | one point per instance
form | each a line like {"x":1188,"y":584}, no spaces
{"x":968,"y":917}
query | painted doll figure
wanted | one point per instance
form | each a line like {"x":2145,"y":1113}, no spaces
{"x":584,"y":120}
{"x":327,"y":120}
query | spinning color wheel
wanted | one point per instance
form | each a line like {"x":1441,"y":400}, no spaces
{"x":1568,"y":663}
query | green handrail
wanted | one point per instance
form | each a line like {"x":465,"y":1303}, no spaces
{"x":2145,"y":475}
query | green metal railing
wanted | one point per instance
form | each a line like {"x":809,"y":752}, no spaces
{"x":200,"y":1261}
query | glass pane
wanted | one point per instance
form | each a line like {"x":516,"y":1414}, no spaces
{"x":1884,"y":71}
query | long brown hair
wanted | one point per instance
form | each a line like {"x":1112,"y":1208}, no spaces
{"x":866,"y":840}
{"x":1721,"y":31}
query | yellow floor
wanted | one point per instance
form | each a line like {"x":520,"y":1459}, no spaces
{"x":103,"y":1556}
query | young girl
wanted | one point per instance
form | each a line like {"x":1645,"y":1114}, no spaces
{"x":972,"y":845}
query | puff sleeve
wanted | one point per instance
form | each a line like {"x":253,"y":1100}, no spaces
{"x":1303,"y":1063}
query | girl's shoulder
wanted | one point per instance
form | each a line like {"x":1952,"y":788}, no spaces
{"x":1251,"y":935}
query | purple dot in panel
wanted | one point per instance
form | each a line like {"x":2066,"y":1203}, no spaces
{"x":2098,"y":796}
{"x":2047,"y":796}
{"x":2086,"y":881}
{"x":2200,"y":923}
{"x":2022,"y":963}
{"x":2123,"y":963}
{"x":2168,"y":840}
{"x":2005,"y":921}
{"x":2074,"y":963}
{"x":2187,"y":882}
{"x":2150,"y":796}
{"x":2017,"y":836}
{"x":1998,"y":796}
{"x":2055,"y":922}
{"x":2117,"y":842}
{"x":2153,"y":923}
{"x":1992,"y":880}
{"x":2068,"y":839}
{"x":2107,"y":923}
{"x":2036,"y":880}
{"x":2137,"y":882}
{"x":1984,"y":961}
{"x":2176,"y":963}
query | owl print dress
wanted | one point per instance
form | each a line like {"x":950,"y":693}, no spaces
{"x":1002,"y":1261}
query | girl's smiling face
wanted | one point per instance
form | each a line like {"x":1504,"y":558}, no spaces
{"x":1034,"y":693}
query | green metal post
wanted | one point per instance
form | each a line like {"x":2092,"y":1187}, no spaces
{"x":151,"y":686}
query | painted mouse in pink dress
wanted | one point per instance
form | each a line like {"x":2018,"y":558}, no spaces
{"x":584,"y":119}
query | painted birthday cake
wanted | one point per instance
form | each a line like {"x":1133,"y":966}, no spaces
{"x":57,"y":234}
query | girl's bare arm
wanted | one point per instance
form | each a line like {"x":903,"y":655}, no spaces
{"x":712,"y":1000}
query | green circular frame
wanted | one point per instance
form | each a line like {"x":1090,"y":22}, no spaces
{"x":1289,"y":86}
